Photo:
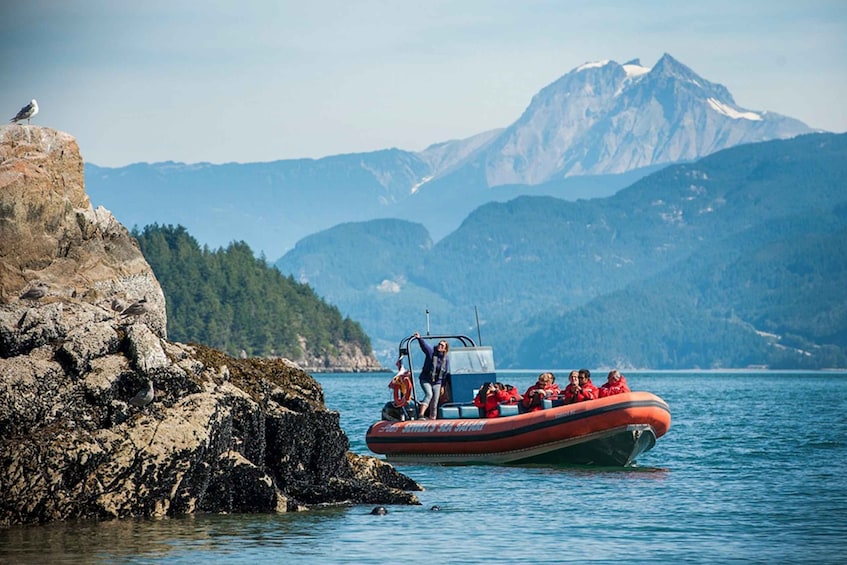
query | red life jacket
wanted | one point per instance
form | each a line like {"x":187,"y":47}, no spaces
{"x":571,"y":393}
{"x":533,"y":402}
{"x":609,"y":388}
{"x":491,"y":403}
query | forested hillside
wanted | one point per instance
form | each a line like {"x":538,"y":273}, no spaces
{"x":231,"y":300}
{"x":771,"y":296}
{"x":734,"y":260}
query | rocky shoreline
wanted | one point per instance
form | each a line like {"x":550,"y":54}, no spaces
{"x":79,"y":438}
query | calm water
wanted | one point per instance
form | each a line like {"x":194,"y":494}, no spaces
{"x":752,"y":470}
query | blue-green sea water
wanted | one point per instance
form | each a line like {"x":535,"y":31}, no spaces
{"x":753,"y":470}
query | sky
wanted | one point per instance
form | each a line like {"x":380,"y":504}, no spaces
{"x":248,"y":81}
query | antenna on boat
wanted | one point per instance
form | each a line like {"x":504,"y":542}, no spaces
{"x":427,"y":321}
{"x":478,"y":332}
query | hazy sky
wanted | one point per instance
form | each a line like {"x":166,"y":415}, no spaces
{"x":246,"y":81}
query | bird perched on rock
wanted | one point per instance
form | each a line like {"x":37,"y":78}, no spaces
{"x":144,"y":396}
{"x":39,"y":290}
{"x":27,"y":112}
{"x":137,"y":308}
{"x":117,"y":305}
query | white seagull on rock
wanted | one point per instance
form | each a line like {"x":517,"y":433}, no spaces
{"x":27,"y":112}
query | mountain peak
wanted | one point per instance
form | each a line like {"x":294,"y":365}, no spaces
{"x":603,"y":117}
{"x":669,"y":66}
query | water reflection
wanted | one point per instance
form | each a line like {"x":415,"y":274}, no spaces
{"x":168,"y":539}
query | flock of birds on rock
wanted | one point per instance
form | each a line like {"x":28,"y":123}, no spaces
{"x":39,"y":290}
{"x":144,"y":396}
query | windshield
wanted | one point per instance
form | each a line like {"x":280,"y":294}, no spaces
{"x":471,"y":360}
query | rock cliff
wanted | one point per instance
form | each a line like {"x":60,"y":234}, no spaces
{"x":83,"y":330}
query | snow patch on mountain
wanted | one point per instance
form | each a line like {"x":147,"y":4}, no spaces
{"x":592,"y":65}
{"x":423,"y":181}
{"x":388,"y":286}
{"x":634,"y":70}
{"x":722,"y":108}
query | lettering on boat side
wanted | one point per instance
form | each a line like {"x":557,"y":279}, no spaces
{"x":438,"y":427}
{"x":467,"y":426}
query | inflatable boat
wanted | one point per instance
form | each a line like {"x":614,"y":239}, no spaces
{"x":610,"y":431}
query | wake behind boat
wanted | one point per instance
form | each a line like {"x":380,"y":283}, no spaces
{"x":610,"y":431}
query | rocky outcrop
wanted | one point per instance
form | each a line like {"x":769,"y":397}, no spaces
{"x":220,"y":435}
{"x":347,"y":358}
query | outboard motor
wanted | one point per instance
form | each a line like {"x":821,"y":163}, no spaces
{"x":393,"y":413}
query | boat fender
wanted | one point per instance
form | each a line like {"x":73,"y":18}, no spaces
{"x":401,"y":385}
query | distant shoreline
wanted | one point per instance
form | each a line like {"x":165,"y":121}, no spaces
{"x":727,"y":370}
{"x":600,"y":370}
{"x":347,"y":370}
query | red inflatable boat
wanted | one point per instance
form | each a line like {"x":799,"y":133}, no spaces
{"x":610,"y":431}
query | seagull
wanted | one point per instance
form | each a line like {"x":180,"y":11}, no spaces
{"x":117,"y":305}
{"x":144,"y":396}
{"x":26,"y":112}
{"x":137,"y":308}
{"x":36,"y":292}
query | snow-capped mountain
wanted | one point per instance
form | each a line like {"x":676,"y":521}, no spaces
{"x":605,"y":117}
{"x":590,"y":133}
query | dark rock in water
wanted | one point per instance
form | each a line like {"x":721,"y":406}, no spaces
{"x":379,"y":511}
{"x":223,"y":434}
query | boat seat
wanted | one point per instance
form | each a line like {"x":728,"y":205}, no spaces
{"x":508,"y":409}
{"x":552,"y":402}
{"x":448,"y":412}
{"x":468,"y":411}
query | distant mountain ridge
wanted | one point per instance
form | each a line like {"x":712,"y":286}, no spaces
{"x":588,"y":134}
{"x":736,"y":259}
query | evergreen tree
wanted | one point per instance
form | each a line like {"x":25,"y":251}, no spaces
{"x":233,"y":301}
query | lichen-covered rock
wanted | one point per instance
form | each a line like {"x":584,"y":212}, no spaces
{"x":220,"y":435}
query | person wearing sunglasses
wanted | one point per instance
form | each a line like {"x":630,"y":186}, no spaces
{"x":435,"y":369}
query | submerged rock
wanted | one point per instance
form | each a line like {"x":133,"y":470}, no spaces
{"x":220,"y":434}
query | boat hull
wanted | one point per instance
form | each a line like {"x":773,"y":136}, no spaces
{"x":610,"y":431}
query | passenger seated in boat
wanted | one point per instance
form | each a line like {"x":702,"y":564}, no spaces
{"x":615,"y":384}
{"x":489,"y":398}
{"x":513,"y":393}
{"x":571,"y":392}
{"x":544,"y":387}
{"x":588,"y":390}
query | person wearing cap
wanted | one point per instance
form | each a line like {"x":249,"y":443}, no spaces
{"x":615,"y":384}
